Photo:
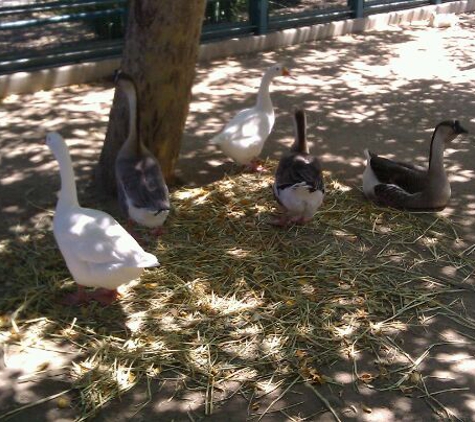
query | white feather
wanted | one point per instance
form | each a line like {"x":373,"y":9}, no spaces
{"x":369,"y":178}
{"x":98,"y":251}
{"x":299,"y":201}
{"x":243,"y":138}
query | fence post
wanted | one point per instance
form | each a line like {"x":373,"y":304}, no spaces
{"x":258,"y":15}
{"x":356,"y":7}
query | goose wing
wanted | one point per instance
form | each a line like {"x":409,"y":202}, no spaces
{"x":97,"y":238}
{"x":297,"y":169}
{"x":249,"y":125}
{"x":395,"y":197}
{"x":410,"y":178}
{"x":143,"y":182}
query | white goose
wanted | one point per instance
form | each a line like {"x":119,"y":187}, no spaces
{"x":98,"y":251}
{"x":142,"y":191}
{"x":404,"y":186}
{"x":243,"y":138}
{"x":298,"y":185}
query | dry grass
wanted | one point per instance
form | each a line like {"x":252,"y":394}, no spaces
{"x":238,"y":300}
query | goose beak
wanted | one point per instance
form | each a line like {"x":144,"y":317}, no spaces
{"x":286,"y":72}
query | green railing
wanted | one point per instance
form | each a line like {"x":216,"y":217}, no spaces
{"x":51,"y":33}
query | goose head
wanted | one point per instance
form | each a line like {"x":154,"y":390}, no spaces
{"x":123,"y":80}
{"x":448,"y":130}
{"x":54,"y":141}
{"x":278,"y":70}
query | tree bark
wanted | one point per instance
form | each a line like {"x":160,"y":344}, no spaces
{"x":160,"y":53}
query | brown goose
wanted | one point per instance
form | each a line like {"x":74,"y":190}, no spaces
{"x":404,"y":186}
{"x":142,"y":191}
{"x":298,"y":186}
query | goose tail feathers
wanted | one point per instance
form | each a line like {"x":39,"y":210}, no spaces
{"x":147,"y":260}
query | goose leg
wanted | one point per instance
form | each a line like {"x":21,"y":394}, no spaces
{"x":105,"y":296}
{"x":282,"y":221}
{"x":131,"y":230}
{"x":255,"y":166}
{"x":301,"y":221}
{"x":78,"y":298}
{"x":159,"y":231}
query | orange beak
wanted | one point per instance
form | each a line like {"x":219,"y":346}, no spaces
{"x":285,"y":72}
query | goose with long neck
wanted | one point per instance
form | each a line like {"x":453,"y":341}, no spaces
{"x":243,"y":138}
{"x":405,"y":186}
{"x":98,"y":251}
{"x":298,"y":186}
{"x":142,"y":191}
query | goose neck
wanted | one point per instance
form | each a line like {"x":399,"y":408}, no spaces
{"x":68,"y":194}
{"x":300,"y":125}
{"x":263,"y":96}
{"x":131,"y":143}
{"x":436,"y":156}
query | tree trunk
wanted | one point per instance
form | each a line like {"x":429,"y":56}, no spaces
{"x":160,"y":53}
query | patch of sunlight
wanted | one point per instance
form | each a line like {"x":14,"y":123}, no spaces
{"x":457,"y":358}
{"x":274,"y":345}
{"x":268,"y":387}
{"x":379,"y":414}
{"x":124,"y":377}
{"x":470,"y":403}
{"x":135,"y":321}
{"x":83,"y":367}
{"x":349,"y":352}
{"x":244,"y":349}
{"x":98,"y":99}
{"x":335,"y":185}
{"x":188,"y":194}
{"x":343,"y":377}
{"x":443,"y":375}
{"x":200,"y":356}
{"x":248,"y":330}
{"x":229,"y":305}
{"x":345,"y":331}
{"x":424,"y":58}
{"x":453,"y":336}
{"x":238,"y":252}
{"x":459,"y":175}
{"x":214,"y":75}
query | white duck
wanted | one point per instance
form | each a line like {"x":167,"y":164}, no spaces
{"x":298,"y":185}
{"x":98,"y":251}
{"x":404,"y":186}
{"x":243,"y":138}
{"x":142,"y":191}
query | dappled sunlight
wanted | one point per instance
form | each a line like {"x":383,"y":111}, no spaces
{"x":359,"y":299}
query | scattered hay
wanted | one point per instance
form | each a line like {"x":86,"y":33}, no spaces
{"x":238,"y":300}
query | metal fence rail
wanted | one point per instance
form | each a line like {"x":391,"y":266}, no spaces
{"x":45,"y":33}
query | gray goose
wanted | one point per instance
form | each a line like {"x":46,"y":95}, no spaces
{"x":407,"y":187}
{"x":142,"y":191}
{"x":298,"y":186}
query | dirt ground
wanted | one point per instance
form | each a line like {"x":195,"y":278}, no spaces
{"x":382,"y":90}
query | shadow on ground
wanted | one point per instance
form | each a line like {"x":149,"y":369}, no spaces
{"x":384,"y":91}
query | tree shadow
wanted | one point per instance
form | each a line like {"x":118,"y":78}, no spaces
{"x":384,"y":91}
